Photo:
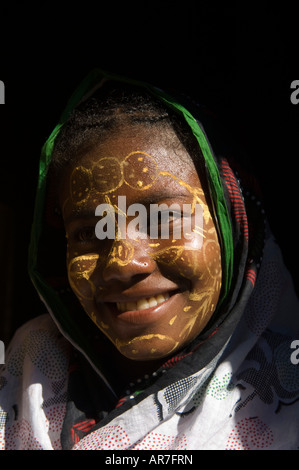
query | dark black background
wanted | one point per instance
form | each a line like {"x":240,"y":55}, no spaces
{"x":236,"y":59}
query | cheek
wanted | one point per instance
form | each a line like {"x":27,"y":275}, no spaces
{"x":80,"y":271}
{"x":201,"y":267}
{"x":206,"y":285}
{"x":198,"y":260}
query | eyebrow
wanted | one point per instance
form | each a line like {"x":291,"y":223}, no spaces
{"x":79,"y":215}
{"x":155,"y":198}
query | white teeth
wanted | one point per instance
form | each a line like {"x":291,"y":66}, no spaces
{"x":160,"y":298}
{"x":142,"y":303}
{"x":152,"y":302}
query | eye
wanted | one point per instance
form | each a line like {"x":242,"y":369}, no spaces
{"x":169,"y":217}
{"x":163,"y":223}
{"x":175,"y":216}
{"x":86,"y":234}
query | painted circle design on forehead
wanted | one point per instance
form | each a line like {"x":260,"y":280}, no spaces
{"x":107,"y":174}
{"x":80,"y":183}
{"x":140,"y":170}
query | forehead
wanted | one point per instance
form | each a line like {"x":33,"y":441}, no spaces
{"x":147,"y":160}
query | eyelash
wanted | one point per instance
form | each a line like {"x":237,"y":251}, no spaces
{"x":79,"y":235}
{"x":173,"y":216}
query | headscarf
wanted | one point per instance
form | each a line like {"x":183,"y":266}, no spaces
{"x":59,"y":308}
{"x":231,"y":221}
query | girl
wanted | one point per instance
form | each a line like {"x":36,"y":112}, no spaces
{"x":158,"y":336}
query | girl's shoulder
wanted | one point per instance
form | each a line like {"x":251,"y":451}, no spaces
{"x":33,"y":386}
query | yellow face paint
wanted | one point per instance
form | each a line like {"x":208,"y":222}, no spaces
{"x":144,"y":342}
{"x":121,"y":268}
{"x":80,"y":270}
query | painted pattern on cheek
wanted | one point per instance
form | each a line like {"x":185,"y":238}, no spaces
{"x":202,"y":265}
{"x":203,"y":298}
{"x":80,"y":270}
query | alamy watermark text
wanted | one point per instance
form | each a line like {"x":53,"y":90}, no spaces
{"x":2,"y":92}
{"x":157,"y":221}
{"x":295,"y":94}
{"x":2,"y":353}
{"x":295,"y":353}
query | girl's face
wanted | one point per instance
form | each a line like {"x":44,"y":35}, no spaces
{"x":149,"y":296}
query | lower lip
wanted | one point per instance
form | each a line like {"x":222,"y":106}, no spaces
{"x":147,"y":315}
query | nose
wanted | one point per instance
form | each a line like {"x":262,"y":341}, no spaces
{"x":126,"y":260}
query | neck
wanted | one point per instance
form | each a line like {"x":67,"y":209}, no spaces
{"x":124,"y":371}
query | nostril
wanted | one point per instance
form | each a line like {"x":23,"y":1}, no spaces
{"x":125,"y":270}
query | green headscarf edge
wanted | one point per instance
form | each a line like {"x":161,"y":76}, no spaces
{"x":48,"y":295}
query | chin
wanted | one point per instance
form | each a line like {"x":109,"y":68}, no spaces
{"x":147,"y":347}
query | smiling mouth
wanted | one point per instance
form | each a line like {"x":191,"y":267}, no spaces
{"x":142,"y":304}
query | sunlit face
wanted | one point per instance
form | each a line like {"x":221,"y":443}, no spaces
{"x":150,"y":297}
